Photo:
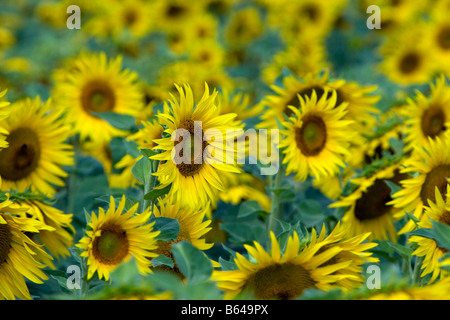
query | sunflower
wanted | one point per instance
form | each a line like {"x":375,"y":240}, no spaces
{"x":367,"y":206}
{"x":116,"y":236}
{"x":95,"y":85}
{"x":37,"y":150}
{"x":430,"y":116}
{"x":322,"y":263}
{"x":192,"y":225}
{"x":439,"y":290}
{"x":243,"y":26}
{"x":316,"y":137}
{"x":173,"y":14}
{"x":194,"y":182}
{"x":20,"y":257}
{"x":428,"y":248}
{"x":406,"y":58}
{"x":244,"y":187}
{"x":439,"y":39}
{"x":430,"y":169}
{"x":239,"y":103}
{"x":60,"y":238}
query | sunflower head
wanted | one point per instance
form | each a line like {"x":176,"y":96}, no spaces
{"x":115,"y":236}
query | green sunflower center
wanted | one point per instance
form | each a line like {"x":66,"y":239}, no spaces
{"x":279,"y":281}
{"x":444,"y":38}
{"x":22,"y":156}
{"x":112,"y":245}
{"x":311,"y":137}
{"x":372,"y":204}
{"x":196,"y":163}
{"x":98,"y":96}
{"x":433,"y":122}
{"x":409,"y":63}
{"x":437,"y":177}
{"x":5,"y":242}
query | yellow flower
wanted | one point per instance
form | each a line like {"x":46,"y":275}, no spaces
{"x":94,"y":84}
{"x":316,"y":138}
{"x":196,"y":181}
{"x":323,"y":263}
{"x":115,"y":236}
{"x":20,"y":257}
{"x":37,"y":148}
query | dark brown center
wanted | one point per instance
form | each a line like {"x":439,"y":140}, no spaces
{"x":410,"y":63}
{"x":372,"y":203}
{"x":444,"y":38}
{"x":279,"y":281}
{"x":97,"y":96}
{"x":437,"y":177}
{"x":22,"y":156}
{"x":5,"y":242}
{"x":433,"y":122}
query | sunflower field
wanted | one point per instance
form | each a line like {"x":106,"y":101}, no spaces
{"x":224,"y":150}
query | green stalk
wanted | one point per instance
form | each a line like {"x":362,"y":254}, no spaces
{"x":417,"y":268}
{"x":275,"y":205}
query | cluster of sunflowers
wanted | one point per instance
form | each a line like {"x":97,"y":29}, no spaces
{"x":355,"y":120}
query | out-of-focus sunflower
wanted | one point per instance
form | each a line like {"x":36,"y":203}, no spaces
{"x":94,"y":84}
{"x":406,"y":59}
{"x":115,"y":236}
{"x":239,"y":103}
{"x":306,"y":54}
{"x":429,"y":116}
{"x":192,"y":223}
{"x":438,"y":210}
{"x":243,"y":26}
{"x":439,"y":290}
{"x":60,"y":238}
{"x":439,"y":38}
{"x":429,"y":169}
{"x":37,"y":148}
{"x":367,"y":206}
{"x":316,"y":137}
{"x":196,"y":181}
{"x":172,"y":14}
{"x":20,"y":257}
{"x":321,"y":263}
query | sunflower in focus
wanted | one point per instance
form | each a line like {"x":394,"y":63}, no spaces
{"x":192,"y":225}
{"x":430,"y":169}
{"x":94,"y":84}
{"x":322,"y":263}
{"x":37,"y":150}
{"x":428,"y":248}
{"x":367,"y":206}
{"x":196,"y":180}
{"x":429,"y":116}
{"x":115,"y":236}
{"x":316,"y":137}
{"x":20,"y":257}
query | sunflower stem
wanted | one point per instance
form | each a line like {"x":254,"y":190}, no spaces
{"x":275,"y":205}
{"x":72,"y":177}
{"x":417,"y":268}
{"x":150,"y":184}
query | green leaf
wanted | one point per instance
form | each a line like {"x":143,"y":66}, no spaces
{"x":157,"y":193}
{"x":227,"y":265}
{"x":248,"y":208}
{"x":147,"y":152}
{"x":126,"y":274}
{"x":162,"y":260}
{"x":404,"y":252}
{"x":439,"y":233}
{"x":131,"y":148}
{"x":193,"y":263}
{"x":117,"y":120}
{"x":168,"y":227}
{"x":142,"y":170}
{"x":393,"y":186}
